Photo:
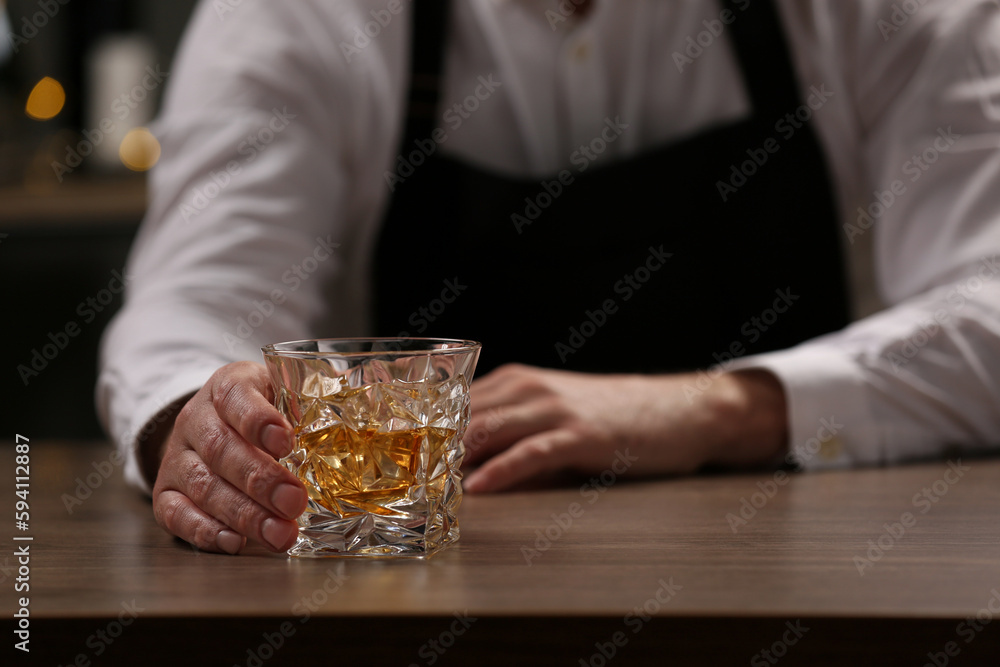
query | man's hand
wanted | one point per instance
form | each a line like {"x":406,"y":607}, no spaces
{"x":219,"y":482}
{"x":541,"y":421}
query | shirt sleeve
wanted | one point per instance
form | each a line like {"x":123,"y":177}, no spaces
{"x":918,"y":379}
{"x":254,"y":228}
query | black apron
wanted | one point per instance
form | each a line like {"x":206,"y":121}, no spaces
{"x":752,"y":267}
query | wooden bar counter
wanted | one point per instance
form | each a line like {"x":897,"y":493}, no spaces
{"x":875,"y":566}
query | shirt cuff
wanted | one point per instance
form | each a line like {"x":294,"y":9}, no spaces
{"x":829,"y":422}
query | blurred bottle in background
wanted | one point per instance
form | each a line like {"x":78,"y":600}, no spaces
{"x":123,"y":83}
{"x":78,"y":81}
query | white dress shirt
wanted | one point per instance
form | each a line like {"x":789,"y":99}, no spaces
{"x":281,"y":121}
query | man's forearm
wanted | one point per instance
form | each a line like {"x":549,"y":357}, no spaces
{"x":748,"y":417}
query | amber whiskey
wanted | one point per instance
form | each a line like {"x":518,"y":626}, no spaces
{"x":350,"y":472}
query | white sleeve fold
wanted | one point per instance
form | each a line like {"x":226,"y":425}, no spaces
{"x":254,"y":233}
{"x":923,"y":376}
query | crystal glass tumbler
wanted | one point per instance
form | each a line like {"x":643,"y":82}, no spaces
{"x":378,"y":440}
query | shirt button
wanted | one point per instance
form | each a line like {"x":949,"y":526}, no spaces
{"x":581,"y":51}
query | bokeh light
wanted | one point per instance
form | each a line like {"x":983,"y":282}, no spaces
{"x":46,"y":100}
{"x":139,"y":149}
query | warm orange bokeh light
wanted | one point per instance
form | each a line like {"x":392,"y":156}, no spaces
{"x":46,"y":99}
{"x":139,"y":149}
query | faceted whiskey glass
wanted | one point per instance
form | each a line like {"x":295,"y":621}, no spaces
{"x":378,"y":440}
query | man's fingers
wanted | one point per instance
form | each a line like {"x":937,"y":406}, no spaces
{"x":532,"y":456}
{"x":219,"y":482}
{"x":179,"y":516}
{"x":222,"y":455}
{"x":506,"y":385}
{"x":242,"y":396}
{"x":221,"y":500}
{"x":497,"y":376}
{"x":497,"y":429}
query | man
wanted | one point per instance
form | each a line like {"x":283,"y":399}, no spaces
{"x":643,"y":188}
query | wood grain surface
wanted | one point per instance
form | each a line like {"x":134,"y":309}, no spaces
{"x":631,"y":572}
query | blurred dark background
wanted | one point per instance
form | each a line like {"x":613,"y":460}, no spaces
{"x":79,"y":82}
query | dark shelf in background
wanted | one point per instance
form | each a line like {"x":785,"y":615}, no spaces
{"x":60,"y":249}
